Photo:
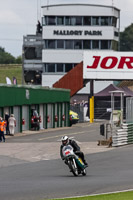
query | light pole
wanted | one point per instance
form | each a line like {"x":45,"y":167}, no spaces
{"x":23,"y":63}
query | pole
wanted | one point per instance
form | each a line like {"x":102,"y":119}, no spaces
{"x":112,"y":3}
{"x":122,"y":103}
{"x":91,"y":101}
{"x":119,"y":44}
{"x":47,"y":4}
{"x":37,"y":10}
{"x":23,"y":56}
{"x":112,"y":109}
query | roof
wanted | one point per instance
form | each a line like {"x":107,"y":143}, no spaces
{"x":111,"y":87}
{"x":125,"y":83}
{"x":79,"y":4}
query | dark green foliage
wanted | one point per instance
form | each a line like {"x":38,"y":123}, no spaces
{"x":7,"y":58}
{"x":19,"y":60}
{"x":126,"y":39}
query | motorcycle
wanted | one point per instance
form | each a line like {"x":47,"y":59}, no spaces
{"x":74,"y":162}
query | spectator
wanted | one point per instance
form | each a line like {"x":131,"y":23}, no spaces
{"x":39,"y":27}
{"x":2,"y":129}
{"x":12,"y":124}
{"x":7,"y":123}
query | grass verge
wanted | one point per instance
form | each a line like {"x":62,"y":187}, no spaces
{"x":11,"y":71}
{"x":114,"y":196}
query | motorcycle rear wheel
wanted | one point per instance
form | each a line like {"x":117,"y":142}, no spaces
{"x":84,"y":172}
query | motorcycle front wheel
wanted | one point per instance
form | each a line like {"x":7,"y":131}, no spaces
{"x":74,"y":168}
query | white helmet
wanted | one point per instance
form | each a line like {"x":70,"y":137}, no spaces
{"x":64,"y":140}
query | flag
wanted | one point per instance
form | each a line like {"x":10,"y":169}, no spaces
{"x":8,"y":81}
{"x":14,"y":81}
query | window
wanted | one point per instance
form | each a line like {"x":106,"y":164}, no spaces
{"x":68,"y":67}
{"x":60,"y":20}
{"x":73,"y":21}
{"x":109,"y":44}
{"x":30,"y":53}
{"x":87,"y":21}
{"x":86,"y":44}
{"x":104,"y":21}
{"x":44,"y":21}
{"x":60,"y":67}
{"x":116,"y":34}
{"x":95,"y":21}
{"x":77,"y":44}
{"x":104,"y":44}
{"x":60,"y":44}
{"x":51,"y":20}
{"x":110,"y":21}
{"x":51,"y":67}
{"x":67,"y":21}
{"x":114,"y":45}
{"x":114,"y":22}
{"x":95,"y":44}
{"x":44,"y":68}
{"x":38,"y":51}
{"x":78,"y":21}
{"x":68,"y":44}
{"x":51,"y":44}
{"x":74,"y":65}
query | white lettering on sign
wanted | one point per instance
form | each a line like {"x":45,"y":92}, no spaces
{"x":27,"y":94}
{"x":108,"y":65}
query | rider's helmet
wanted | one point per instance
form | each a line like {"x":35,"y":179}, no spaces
{"x":64,"y":140}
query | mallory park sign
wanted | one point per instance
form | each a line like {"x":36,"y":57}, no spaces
{"x":76,"y":32}
{"x":108,"y":65}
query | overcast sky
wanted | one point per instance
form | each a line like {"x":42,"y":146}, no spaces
{"x":19,"y":18}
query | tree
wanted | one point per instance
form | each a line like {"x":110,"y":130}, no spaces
{"x":126,"y":39}
{"x":19,"y":60}
{"x":7,"y":58}
{"x":2,"y":49}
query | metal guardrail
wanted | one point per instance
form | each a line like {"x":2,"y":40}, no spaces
{"x":102,"y":113}
{"x":99,"y":113}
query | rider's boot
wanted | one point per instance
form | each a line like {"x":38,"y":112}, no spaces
{"x":86,"y":164}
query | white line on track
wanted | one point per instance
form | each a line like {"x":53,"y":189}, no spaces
{"x":56,"y":136}
{"x":115,"y":192}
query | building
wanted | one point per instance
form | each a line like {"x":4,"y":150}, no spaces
{"x":67,"y":30}
{"x":32,"y":59}
{"x":51,"y":104}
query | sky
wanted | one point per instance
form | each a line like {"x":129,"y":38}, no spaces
{"x":19,"y":18}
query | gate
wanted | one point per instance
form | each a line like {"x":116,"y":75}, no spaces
{"x":129,"y":110}
{"x":25,"y":116}
{"x":16,"y":111}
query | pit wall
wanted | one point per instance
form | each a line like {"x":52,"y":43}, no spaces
{"x":52,"y":105}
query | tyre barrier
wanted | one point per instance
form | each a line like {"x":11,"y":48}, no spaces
{"x":123,"y":136}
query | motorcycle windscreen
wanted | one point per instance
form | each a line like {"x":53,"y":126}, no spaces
{"x":67,"y":150}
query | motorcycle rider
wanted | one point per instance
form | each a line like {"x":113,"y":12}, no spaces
{"x":66,"y":141}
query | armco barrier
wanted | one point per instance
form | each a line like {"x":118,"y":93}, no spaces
{"x":123,"y":136}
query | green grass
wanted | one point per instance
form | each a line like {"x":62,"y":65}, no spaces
{"x":114,"y":196}
{"x":11,"y":71}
